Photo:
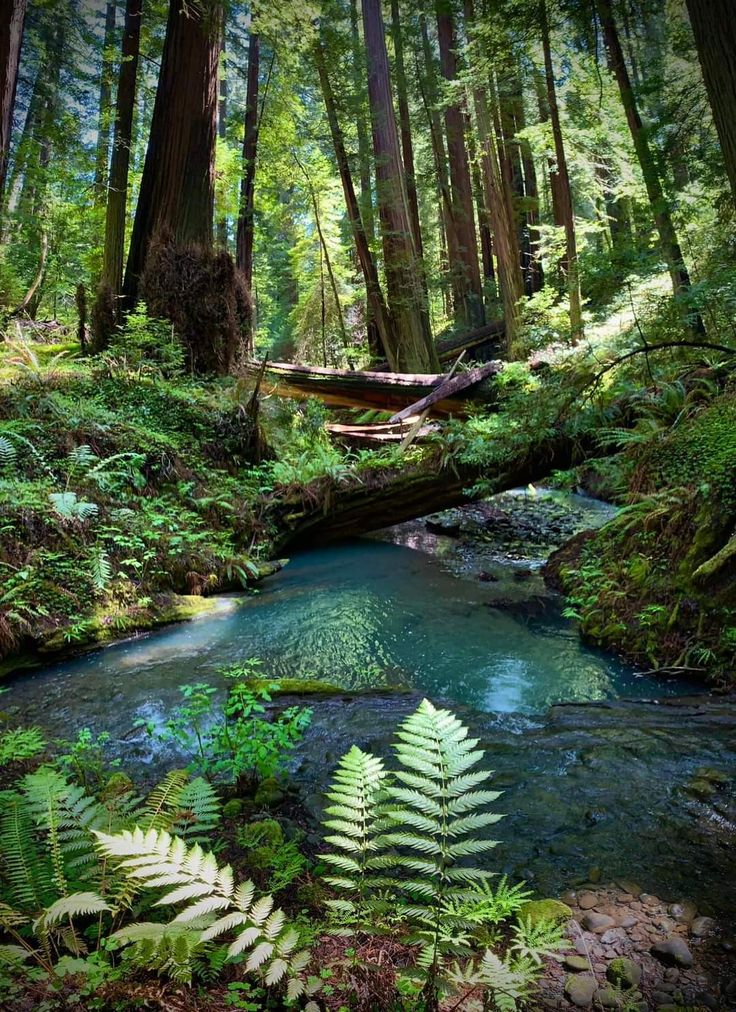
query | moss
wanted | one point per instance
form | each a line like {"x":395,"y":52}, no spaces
{"x":545,"y":910}
{"x":295,"y":686}
{"x":232,"y":808}
{"x":262,"y":840}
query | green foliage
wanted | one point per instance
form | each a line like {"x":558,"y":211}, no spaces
{"x":233,"y":740}
{"x":145,"y":346}
{"x":220,"y":908}
{"x":21,"y":743}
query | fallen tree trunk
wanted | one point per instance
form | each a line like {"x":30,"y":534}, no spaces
{"x":330,"y":512}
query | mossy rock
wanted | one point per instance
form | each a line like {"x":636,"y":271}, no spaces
{"x":261,"y":839}
{"x":232,"y":808}
{"x":536,"y":911}
{"x":294,"y":686}
{"x":269,"y":793}
{"x":118,"y":784}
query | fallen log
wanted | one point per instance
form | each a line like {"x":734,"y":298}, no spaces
{"x":451,"y":387}
{"x":377,"y":435}
{"x":333,"y":511}
{"x":345,"y":388}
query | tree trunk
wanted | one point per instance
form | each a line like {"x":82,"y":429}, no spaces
{"x":661,"y":211}
{"x":414,"y":351}
{"x":565,"y":193}
{"x":102,"y":157}
{"x":244,"y":245}
{"x":12,"y":18}
{"x":177,"y":187}
{"x":531,"y":264}
{"x":428,"y":86}
{"x":540,"y":86}
{"x":498,"y":201}
{"x":377,"y":311}
{"x":407,"y":148}
{"x":363,"y":133}
{"x":117,"y":195}
{"x":714,"y":27}
{"x":465,"y":271}
{"x":222,"y":128}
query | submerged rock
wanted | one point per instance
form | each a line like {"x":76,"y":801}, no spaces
{"x":673,"y":951}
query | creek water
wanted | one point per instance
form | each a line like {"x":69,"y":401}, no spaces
{"x":602,"y":785}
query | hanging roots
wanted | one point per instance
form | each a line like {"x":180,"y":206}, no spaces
{"x":199,"y":289}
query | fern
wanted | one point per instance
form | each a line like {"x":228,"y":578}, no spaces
{"x":354,"y":818}
{"x":69,"y":507}
{"x":215,"y":907}
{"x":162,"y":805}
{"x":68,"y":907}
{"x":536,"y":939}
{"x":100,"y":568}
{"x":506,"y":984}
{"x":27,"y":872}
{"x":21,"y":743}
{"x":8,"y":453}
{"x":198,"y":810}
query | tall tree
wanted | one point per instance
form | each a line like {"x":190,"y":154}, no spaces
{"x":714,"y":27}
{"x":467,"y":285}
{"x":661,"y":210}
{"x":102,"y":156}
{"x":414,"y":350}
{"x":564,"y":189}
{"x":107,"y":307}
{"x":407,"y":146}
{"x":245,"y":230}
{"x":177,"y":186}
{"x":378,"y":314}
{"x":12,"y":18}
{"x":222,"y":125}
{"x":361,"y":124}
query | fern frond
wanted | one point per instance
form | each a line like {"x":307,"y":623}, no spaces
{"x":69,"y":907}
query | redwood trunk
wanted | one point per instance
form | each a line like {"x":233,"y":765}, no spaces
{"x":407,"y":147}
{"x":12,"y":18}
{"x":377,"y":311}
{"x":565,"y":192}
{"x":246,"y":223}
{"x":177,"y":187}
{"x":467,"y":285}
{"x":661,"y":212}
{"x":117,"y":196}
{"x":414,"y":351}
{"x":714,"y":27}
{"x":222,"y":128}
{"x":102,"y":157}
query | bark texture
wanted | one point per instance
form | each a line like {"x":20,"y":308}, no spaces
{"x":714,"y":27}
{"x":414,"y":350}
{"x":12,"y":18}
{"x":245,"y":230}
{"x":102,"y":156}
{"x":177,"y":187}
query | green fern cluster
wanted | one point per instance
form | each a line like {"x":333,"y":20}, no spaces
{"x":214,"y":907}
{"x":407,"y":840}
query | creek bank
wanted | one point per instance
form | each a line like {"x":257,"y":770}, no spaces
{"x":118,"y":623}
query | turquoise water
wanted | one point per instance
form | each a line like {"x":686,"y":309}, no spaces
{"x":363,"y":614}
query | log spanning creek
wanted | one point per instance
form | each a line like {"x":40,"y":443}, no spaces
{"x":599,"y":764}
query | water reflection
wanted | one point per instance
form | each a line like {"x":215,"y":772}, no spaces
{"x":362,"y":614}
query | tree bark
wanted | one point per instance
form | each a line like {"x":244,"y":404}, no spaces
{"x":177,"y":186}
{"x":714,"y":27}
{"x":467,"y":286}
{"x":222,"y":127}
{"x":414,"y":351}
{"x":661,"y":211}
{"x":377,"y":311}
{"x":499,"y":203}
{"x":407,"y":147}
{"x":12,"y":18}
{"x":102,"y":157}
{"x":117,"y":195}
{"x":363,"y":133}
{"x":565,"y":192}
{"x":244,"y":243}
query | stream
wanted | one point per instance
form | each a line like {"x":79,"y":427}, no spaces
{"x":597,"y":779}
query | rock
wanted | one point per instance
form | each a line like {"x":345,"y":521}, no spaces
{"x":673,"y":952}
{"x":629,"y":887}
{"x":598,"y":923}
{"x":570,"y":897}
{"x":597,"y":814}
{"x":586,"y":901}
{"x":545,"y":910}
{"x":700,"y":789}
{"x":232,"y":808}
{"x":613,"y":935}
{"x":578,"y":964}
{"x":702,"y":926}
{"x":671,"y":975}
{"x":439,"y":524}
{"x":683,"y":912}
{"x":624,"y":973}
{"x":485,"y":577}
{"x":706,"y":1000}
{"x":648,"y":900}
{"x":580,"y":990}
{"x":629,"y":921}
{"x":269,"y":793}
{"x":606,"y":997}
